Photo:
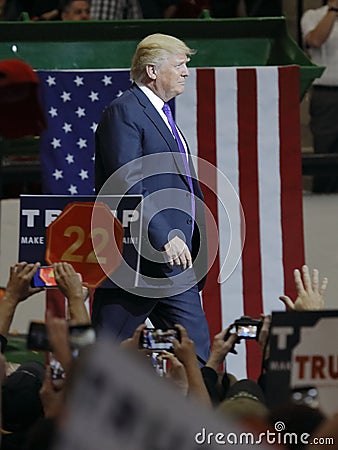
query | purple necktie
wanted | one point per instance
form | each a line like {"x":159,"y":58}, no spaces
{"x":167,"y":111}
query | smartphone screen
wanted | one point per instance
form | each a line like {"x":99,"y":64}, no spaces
{"x":44,"y":277}
{"x":157,"y":340}
{"x":247,"y":331}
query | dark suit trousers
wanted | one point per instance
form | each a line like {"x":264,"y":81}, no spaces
{"x":119,"y":313}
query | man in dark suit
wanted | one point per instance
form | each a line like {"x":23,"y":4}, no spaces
{"x":140,"y":150}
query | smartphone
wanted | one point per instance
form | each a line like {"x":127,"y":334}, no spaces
{"x":158,"y":340}
{"x":79,"y":336}
{"x":44,"y":277}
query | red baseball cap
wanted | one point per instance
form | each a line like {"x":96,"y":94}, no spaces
{"x":21,"y":113}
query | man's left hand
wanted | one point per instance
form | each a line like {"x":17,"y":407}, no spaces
{"x":177,"y":253}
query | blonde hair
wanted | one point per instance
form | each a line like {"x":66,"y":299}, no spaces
{"x":153,"y":50}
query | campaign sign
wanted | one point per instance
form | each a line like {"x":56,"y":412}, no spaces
{"x":303,"y":363}
{"x":87,"y":235}
{"x":37,"y":212}
{"x":315,"y":363}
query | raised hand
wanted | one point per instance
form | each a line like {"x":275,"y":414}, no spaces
{"x":310,"y":294}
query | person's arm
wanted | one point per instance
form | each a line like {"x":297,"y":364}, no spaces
{"x":185,"y":352}
{"x":58,"y":337}
{"x":53,"y":14}
{"x":70,"y":285}
{"x":310,"y":296}
{"x":52,"y":399}
{"x":263,"y":337}
{"x":175,"y":372}
{"x":319,"y":35}
{"x":18,"y":289}
{"x":220,"y":348}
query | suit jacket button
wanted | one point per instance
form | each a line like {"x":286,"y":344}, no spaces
{"x":189,"y":221}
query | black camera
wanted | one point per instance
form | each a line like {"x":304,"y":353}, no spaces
{"x":157,"y":340}
{"x":246,"y":328}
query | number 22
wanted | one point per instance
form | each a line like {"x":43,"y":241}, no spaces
{"x":70,"y":255}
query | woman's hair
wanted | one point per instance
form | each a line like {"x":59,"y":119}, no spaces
{"x":153,"y":50}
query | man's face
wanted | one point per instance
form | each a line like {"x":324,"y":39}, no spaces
{"x":78,"y":10}
{"x":170,"y":76}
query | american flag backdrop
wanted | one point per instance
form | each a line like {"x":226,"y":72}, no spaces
{"x":73,"y":104}
{"x":245,"y":122}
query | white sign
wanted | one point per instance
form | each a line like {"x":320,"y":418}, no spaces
{"x":315,"y":362}
{"x":119,"y":403}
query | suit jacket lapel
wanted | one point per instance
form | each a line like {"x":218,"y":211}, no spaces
{"x":154,"y":116}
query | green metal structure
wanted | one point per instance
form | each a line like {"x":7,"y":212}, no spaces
{"x":110,"y":44}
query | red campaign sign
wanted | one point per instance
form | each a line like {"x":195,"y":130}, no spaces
{"x":88,"y":236}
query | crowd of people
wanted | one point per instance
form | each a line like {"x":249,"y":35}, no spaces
{"x":34,"y":401}
{"x":135,"y":9}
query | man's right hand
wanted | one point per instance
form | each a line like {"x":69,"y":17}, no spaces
{"x":177,"y":253}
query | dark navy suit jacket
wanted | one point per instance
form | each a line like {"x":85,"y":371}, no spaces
{"x":133,"y":136}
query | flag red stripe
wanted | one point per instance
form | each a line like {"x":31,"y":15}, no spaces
{"x":249,"y":195}
{"x":291,"y":175}
{"x":206,"y":138}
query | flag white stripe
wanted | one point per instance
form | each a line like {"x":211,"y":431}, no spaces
{"x":186,"y":112}
{"x":228,"y":164}
{"x":269,"y":187}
